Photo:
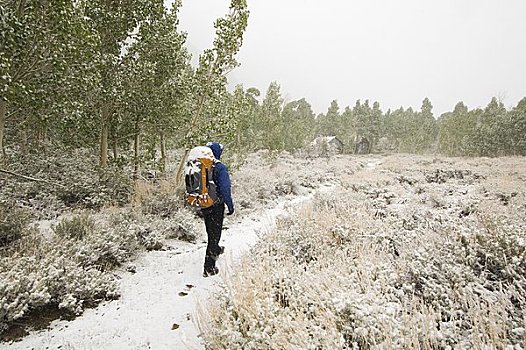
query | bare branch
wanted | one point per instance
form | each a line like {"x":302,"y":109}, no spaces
{"x":30,"y":178}
{"x":12,"y":113}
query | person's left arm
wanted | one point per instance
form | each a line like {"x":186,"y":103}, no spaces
{"x":225,"y":186}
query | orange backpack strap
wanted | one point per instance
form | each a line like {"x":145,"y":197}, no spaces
{"x":206,"y":167}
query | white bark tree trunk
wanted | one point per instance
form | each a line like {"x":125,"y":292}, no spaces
{"x":3,"y":114}
{"x":104,"y":131}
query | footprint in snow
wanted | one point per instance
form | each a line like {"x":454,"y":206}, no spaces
{"x":187,"y":288}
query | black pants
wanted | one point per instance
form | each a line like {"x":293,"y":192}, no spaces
{"x":214,"y":225}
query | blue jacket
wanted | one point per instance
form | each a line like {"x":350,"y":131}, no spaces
{"x":222,"y":178}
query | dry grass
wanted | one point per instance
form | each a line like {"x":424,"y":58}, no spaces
{"x":142,"y":191}
{"x":413,"y":253}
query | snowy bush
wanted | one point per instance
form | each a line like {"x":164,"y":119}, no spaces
{"x":77,"y":227}
{"x":55,"y":274}
{"x":377,"y":264}
{"x":94,"y":190}
{"x":69,"y":179}
{"x":74,"y":267}
{"x":268,"y":177}
{"x":164,"y":205}
{"x":184,"y":225}
{"x":13,"y":224}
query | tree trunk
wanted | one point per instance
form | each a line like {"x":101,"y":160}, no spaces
{"x":39,"y":136}
{"x":115,"y":149}
{"x":179,"y":176}
{"x":104,"y":130}
{"x":24,"y":141}
{"x":163,"y":152}
{"x":136,"y":152}
{"x":45,"y":139}
{"x":3,"y":113}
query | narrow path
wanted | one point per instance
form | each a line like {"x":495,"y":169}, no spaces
{"x":157,"y":308}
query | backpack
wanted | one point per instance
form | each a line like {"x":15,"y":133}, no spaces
{"x":201,"y":191}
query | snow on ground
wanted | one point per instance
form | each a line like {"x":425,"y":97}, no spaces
{"x":419,"y":252}
{"x":158,"y":304}
{"x":416,"y":199}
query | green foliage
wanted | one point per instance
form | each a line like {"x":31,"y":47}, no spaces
{"x":347,"y":132}
{"x":516,"y":129}
{"x":13,"y":224}
{"x":367,"y":121}
{"x":328,"y":124}
{"x":272,"y":125}
{"x":454,"y":130}
{"x":82,"y":73}
{"x":244,"y":106}
{"x":299,"y":123}
{"x":492,"y":131}
{"x":208,"y":85}
{"x":41,"y":40}
{"x":152,"y":95}
{"x":410,"y":131}
{"x":34,"y":36}
{"x":77,"y":227}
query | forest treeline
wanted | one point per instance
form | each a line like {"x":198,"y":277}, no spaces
{"x":491,"y":131}
{"x":116,"y":76}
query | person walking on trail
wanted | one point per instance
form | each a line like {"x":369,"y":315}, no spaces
{"x":214,"y":214}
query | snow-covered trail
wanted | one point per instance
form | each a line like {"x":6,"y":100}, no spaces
{"x":158,"y":304}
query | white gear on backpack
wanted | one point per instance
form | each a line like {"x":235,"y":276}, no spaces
{"x":192,"y":166}
{"x":201,"y":152}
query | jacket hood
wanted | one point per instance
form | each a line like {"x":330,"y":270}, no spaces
{"x":216,"y":148}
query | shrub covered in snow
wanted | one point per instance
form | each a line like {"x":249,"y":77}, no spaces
{"x":377,"y":263}
{"x":77,"y":227}
{"x":13,"y":224}
{"x":59,"y":271}
{"x":267,"y":177}
{"x":69,"y":179}
{"x":74,"y":266}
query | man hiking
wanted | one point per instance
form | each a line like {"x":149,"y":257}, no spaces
{"x":214,"y":214}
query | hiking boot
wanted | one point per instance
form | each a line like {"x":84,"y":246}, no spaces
{"x":210,"y":272}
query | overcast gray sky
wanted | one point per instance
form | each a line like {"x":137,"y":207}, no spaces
{"x":393,"y":52}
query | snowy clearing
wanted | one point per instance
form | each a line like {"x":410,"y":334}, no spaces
{"x":394,"y":218}
{"x":417,"y":253}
